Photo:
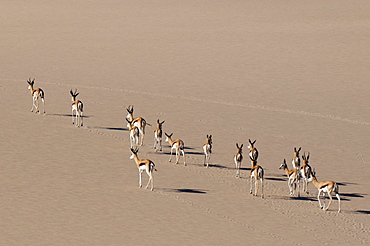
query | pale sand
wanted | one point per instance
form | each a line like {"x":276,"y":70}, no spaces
{"x":287,"y":73}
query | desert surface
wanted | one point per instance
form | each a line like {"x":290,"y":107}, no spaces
{"x":288,"y":74}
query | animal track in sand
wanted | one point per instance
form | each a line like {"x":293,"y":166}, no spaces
{"x":360,"y":157}
{"x":222,"y":102}
{"x":331,"y":215}
{"x":216,"y":214}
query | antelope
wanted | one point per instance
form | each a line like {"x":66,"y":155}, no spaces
{"x":293,"y":178}
{"x":306,"y":171}
{"x":207,"y":149}
{"x":256,"y":174}
{"x":253,"y":152}
{"x":325,"y":187}
{"x":77,"y":107}
{"x":144,"y":164}
{"x":134,"y":134}
{"x":36,"y":94}
{"x":296,"y":161}
{"x":138,"y":122}
{"x":178,"y":145}
{"x":158,"y":136}
{"x":238,"y":157}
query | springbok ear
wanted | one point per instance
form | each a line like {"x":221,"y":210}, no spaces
{"x":241,"y":146}
{"x":33,"y":81}
{"x":162,"y":122}
{"x":299,"y":149}
{"x":71,"y":92}
{"x":237,"y":145}
{"x":308,"y":156}
{"x":284,"y":161}
{"x":295,"y":150}
{"x":254,"y":141}
{"x":77,"y":94}
{"x":249,"y":141}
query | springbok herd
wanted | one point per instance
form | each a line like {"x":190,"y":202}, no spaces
{"x":137,"y":126}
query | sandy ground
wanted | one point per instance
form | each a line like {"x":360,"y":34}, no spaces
{"x":287,"y":73}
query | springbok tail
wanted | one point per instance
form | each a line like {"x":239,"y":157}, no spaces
{"x":81,"y":106}
{"x":42,"y":94}
{"x":153,"y":167}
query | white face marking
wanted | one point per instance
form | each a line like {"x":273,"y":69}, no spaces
{"x":166,"y":139}
{"x":132,"y":157}
{"x":129,"y":116}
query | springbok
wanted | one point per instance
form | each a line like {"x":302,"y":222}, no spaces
{"x":293,"y":178}
{"x":207,"y":149}
{"x":139,"y":122}
{"x":257,"y":173}
{"x":325,"y":187}
{"x":36,"y":94}
{"x":238,"y":157}
{"x":77,"y":107}
{"x":296,"y":161}
{"x":158,"y":132}
{"x":253,"y":152}
{"x":134,"y":134}
{"x":306,"y":171}
{"x":178,"y":145}
{"x":144,"y":164}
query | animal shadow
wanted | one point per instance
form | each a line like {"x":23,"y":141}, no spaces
{"x":69,"y":115}
{"x":190,"y":191}
{"x":108,"y":128}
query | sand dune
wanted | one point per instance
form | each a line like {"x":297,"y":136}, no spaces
{"x":287,"y":73}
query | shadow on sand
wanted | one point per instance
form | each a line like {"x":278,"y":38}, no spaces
{"x":68,"y":115}
{"x":191,"y":191}
{"x":346,"y":183}
{"x":277,"y":179}
{"x":108,"y":128}
{"x":361,"y":211}
{"x":352,"y":195}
